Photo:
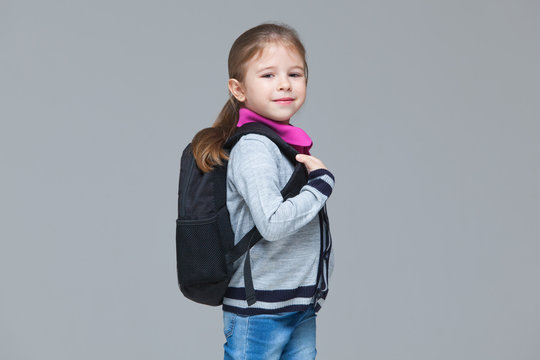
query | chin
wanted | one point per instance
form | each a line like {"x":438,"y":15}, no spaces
{"x":282,"y":117}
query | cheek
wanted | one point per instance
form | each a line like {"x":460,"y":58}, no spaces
{"x":258,"y":88}
{"x":301,"y":90}
{"x":264,"y":91}
{"x":301,"y":86}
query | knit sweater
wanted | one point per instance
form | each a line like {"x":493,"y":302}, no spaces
{"x":286,"y":264}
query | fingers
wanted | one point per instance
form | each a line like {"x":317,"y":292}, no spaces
{"x":311,"y":162}
{"x":303,"y":158}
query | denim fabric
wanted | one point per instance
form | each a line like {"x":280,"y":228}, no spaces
{"x":284,"y":336}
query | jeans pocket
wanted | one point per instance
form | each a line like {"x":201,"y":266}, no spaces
{"x":229,"y":319}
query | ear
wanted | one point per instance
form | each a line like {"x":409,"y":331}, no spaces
{"x":236,"y":89}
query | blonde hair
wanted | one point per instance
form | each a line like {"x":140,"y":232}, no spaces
{"x":207,"y":144}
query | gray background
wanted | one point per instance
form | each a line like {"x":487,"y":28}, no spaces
{"x":427,"y":112}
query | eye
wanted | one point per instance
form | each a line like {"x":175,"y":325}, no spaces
{"x":296,"y":75}
{"x":267,"y":75}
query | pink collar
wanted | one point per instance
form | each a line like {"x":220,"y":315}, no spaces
{"x":292,"y":135}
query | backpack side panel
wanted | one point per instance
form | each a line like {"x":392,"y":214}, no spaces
{"x":203,"y":234}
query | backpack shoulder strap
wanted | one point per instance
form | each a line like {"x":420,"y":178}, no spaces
{"x":262,"y":129}
{"x":297,"y":180}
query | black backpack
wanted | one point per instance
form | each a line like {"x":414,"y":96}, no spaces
{"x":205,"y":250}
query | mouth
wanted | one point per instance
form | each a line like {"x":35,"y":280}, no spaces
{"x":284,"y":101}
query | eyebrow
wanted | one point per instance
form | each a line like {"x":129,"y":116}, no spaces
{"x":273,"y":67}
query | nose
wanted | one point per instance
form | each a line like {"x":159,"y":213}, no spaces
{"x":284,"y":83}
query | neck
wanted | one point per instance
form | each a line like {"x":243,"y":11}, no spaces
{"x":252,"y":115}
{"x":292,"y":135}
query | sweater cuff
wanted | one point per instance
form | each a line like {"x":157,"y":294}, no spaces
{"x":322,"y":180}
{"x":320,"y":172}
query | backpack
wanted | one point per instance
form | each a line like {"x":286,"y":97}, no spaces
{"x":205,"y":249}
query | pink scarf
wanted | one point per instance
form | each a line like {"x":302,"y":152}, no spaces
{"x":292,"y":135}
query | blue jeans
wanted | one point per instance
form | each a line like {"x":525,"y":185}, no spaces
{"x":284,"y":336}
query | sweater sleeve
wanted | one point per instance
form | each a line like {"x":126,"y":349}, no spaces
{"x":255,"y":173}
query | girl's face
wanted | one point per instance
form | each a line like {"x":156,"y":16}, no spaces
{"x":274,"y":85}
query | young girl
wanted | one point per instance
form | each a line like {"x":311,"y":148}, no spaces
{"x":291,"y":264}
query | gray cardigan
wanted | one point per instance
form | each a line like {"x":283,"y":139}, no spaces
{"x":285,"y":263}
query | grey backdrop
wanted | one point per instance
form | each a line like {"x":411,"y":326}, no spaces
{"x":427,"y":112}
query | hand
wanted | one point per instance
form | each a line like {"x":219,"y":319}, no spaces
{"x":311,"y":162}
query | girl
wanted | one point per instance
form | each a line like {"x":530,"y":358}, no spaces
{"x":291,"y":264}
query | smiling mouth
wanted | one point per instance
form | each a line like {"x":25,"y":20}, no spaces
{"x":284,"y":100}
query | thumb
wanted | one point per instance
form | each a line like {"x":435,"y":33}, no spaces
{"x":299,"y":157}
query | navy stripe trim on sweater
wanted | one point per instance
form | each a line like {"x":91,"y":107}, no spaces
{"x":239,"y":293}
{"x":258,"y":311}
{"x":321,"y":185}
{"x":320,"y":172}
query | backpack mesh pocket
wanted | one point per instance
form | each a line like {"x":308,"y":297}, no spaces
{"x":200,"y":252}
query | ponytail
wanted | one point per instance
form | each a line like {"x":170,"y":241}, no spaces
{"x":207,"y":144}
